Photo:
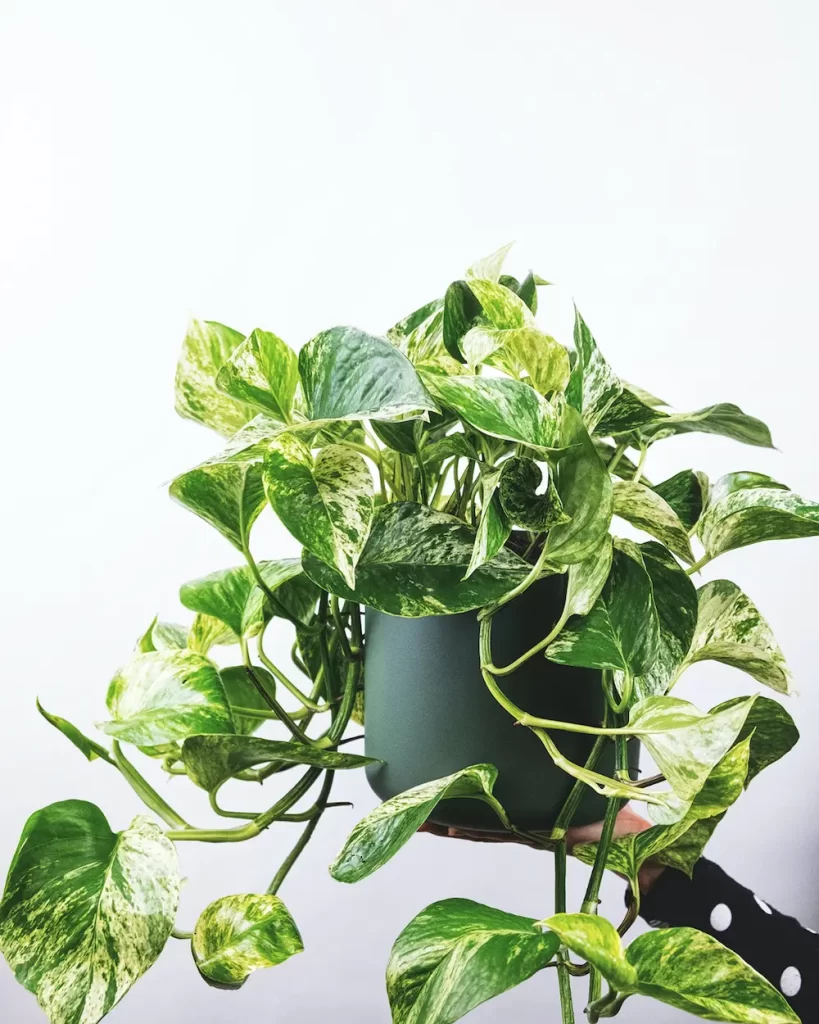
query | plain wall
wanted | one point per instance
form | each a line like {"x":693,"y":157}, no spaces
{"x":298,"y":165}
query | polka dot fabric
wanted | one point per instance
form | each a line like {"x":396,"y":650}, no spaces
{"x":778,"y":946}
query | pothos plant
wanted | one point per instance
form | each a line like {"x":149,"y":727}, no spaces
{"x":405,"y":464}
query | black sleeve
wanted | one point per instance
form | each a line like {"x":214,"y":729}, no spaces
{"x":775,"y":945}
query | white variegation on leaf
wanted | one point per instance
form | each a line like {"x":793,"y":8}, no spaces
{"x":753,"y":514}
{"x":501,"y":308}
{"x":382,"y":833}
{"x":207,"y":346}
{"x":263,"y":371}
{"x":229,"y":496}
{"x":248,"y":444}
{"x":86,"y":911}
{"x":207,"y":631}
{"x":326,"y":502}
{"x":494,"y":527}
{"x":489,"y":267}
{"x":593,"y":386}
{"x":647,"y":510}
{"x":724,"y":419}
{"x":743,"y":480}
{"x":586,"y":580}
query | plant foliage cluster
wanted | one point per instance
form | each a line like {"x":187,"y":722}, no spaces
{"x":402,"y":464}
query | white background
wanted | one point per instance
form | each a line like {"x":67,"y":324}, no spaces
{"x":297,"y":165}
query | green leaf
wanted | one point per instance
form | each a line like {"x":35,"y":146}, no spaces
{"x":262,"y":371}
{"x":540,"y":356}
{"x":236,"y":935}
{"x":207,"y":631}
{"x":382,"y":833}
{"x":461,"y":310}
{"x":452,"y":445}
{"x":596,"y":940}
{"x":164,"y":696}
{"x":675,"y":599}
{"x":627,"y":413}
{"x":686,"y":493}
{"x":751,"y":515}
{"x":241,"y":692}
{"x":494,"y":527}
{"x":724,"y":419}
{"x":229,"y":496}
{"x":90,"y":748}
{"x":399,"y":436}
{"x":502,"y":408}
{"x":248,"y":444}
{"x":406,"y":326}
{"x":770,"y":729}
{"x":425,"y":348}
{"x":86,"y":911}
{"x":586,"y":579}
{"x":326,"y":502}
{"x":745,"y":480}
{"x":730,"y":629}
{"x":456,"y":954}
{"x":414,"y":562}
{"x":647,"y":510}
{"x":694,"y":972}
{"x":489,"y":268}
{"x":519,"y":482}
{"x":593,"y":386}
{"x":585,"y":490}
{"x":206,"y":347}
{"x":348,"y":374}
{"x":622,"y":629}
{"x":501,"y":308}
{"x":212,"y":760}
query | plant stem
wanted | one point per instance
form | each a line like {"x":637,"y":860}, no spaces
{"x":145,"y":791}
{"x":564,"y":980}
{"x":569,"y":808}
{"x":275,"y":603}
{"x":638,"y":472}
{"x":282,"y":678}
{"x":305,"y":837}
{"x":185,"y":936}
{"x":691,"y":569}
{"x":619,"y":452}
{"x":590,"y":900}
{"x":340,"y":630}
{"x":505,"y":670}
{"x":492,"y":609}
{"x":281,"y":714}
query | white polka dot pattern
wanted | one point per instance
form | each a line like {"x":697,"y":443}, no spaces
{"x":790,"y":982}
{"x":762,"y":905}
{"x":721,"y":917}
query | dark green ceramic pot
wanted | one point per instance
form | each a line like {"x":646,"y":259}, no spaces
{"x":429,"y":713}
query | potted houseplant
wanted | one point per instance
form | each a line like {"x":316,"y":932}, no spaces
{"x":454,"y":484}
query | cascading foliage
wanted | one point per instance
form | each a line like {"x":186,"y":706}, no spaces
{"x":402,"y":464}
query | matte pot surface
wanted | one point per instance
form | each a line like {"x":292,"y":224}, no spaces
{"x":428,"y":712}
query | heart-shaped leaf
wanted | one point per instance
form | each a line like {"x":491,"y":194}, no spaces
{"x":212,"y":760}
{"x":414,"y":563}
{"x":596,"y":940}
{"x":519,"y":482}
{"x":229,"y":496}
{"x":730,"y":629}
{"x":90,"y":748}
{"x":262,"y":371}
{"x":502,"y":408}
{"x":406,"y":326}
{"x":207,"y":631}
{"x":461,"y":310}
{"x":724,"y":419}
{"x":326,"y":502}
{"x":501,"y":308}
{"x":456,"y":954}
{"x":647,"y":510}
{"x":745,"y":480}
{"x":348,"y":374}
{"x":248,"y":444}
{"x":236,"y":935}
{"x":750,"y":515}
{"x":585,"y":490}
{"x":628,"y":412}
{"x":593,"y":386}
{"x":540,"y":356}
{"x":455,"y":445}
{"x":164,"y":696}
{"x":86,"y":911}
{"x":489,"y":267}
{"x":586,"y":579}
{"x":163,"y":636}
{"x":206,"y":347}
{"x":382,"y":833}
{"x":686,"y":493}
{"x":424,"y":345}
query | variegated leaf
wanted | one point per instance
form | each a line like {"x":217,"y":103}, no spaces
{"x":724,"y":419}
{"x":593,"y":386}
{"x":90,"y":748}
{"x":229,"y":496}
{"x":687,"y":494}
{"x":456,"y":954}
{"x":493,"y":527}
{"x":262,"y":371}
{"x":326,"y":502}
{"x":406,"y":326}
{"x":455,"y":445}
{"x":164,"y":696}
{"x":596,"y":940}
{"x":425,"y":348}
{"x":586,"y":579}
{"x":489,"y":268}
{"x":730,"y":629}
{"x":744,"y":480}
{"x":248,"y":444}
{"x":750,"y":515}
{"x":502,"y":408}
{"x":524,"y":507}
{"x":86,"y":911}
{"x":382,"y":833}
{"x":236,"y":935}
{"x":501,"y":308}
{"x":207,"y":631}
{"x":206,"y":347}
{"x":229,"y":594}
{"x":461,"y":311}
{"x":585,"y":490}
{"x":627,"y":413}
{"x":414,"y":563}
{"x":348,"y":374}
{"x":647,"y":510}
{"x":212,"y":760}
{"x":163,"y":636}
{"x":540,"y":356}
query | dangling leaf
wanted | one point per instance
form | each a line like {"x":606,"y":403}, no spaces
{"x":596,"y":940}
{"x":627,"y":413}
{"x":241,"y":692}
{"x":86,"y":911}
{"x":414,"y":563}
{"x":207,"y":346}
{"x":731,"y":629}
{"x":489,"y":268}
{"x":326,"y":502}
{"x":502,"y":408}
{"x":622,"y":629}
{"x":456,"y":954}
{"x":585,"y":490}
{"x":494,"y":527}
{"x":687,"y":494}
{"x":593,"y":386}
{"x":229,"y":496}
{"x":348,"y":374}
{"x":461,"y":310}
{"x":236,"y":935}
{"x":90,"y":748}
{"x":647,"y":510}
{"x":382,"y":833}
{"x":724,"y":419}
{"x":212,"y":760}
{"x":586,"y":580}
{"x":750,"y":515}
{"x":165,"y":696}
{"x":519,"y":482}
{"x":262,"y":371}
{"x":225,"y":594}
